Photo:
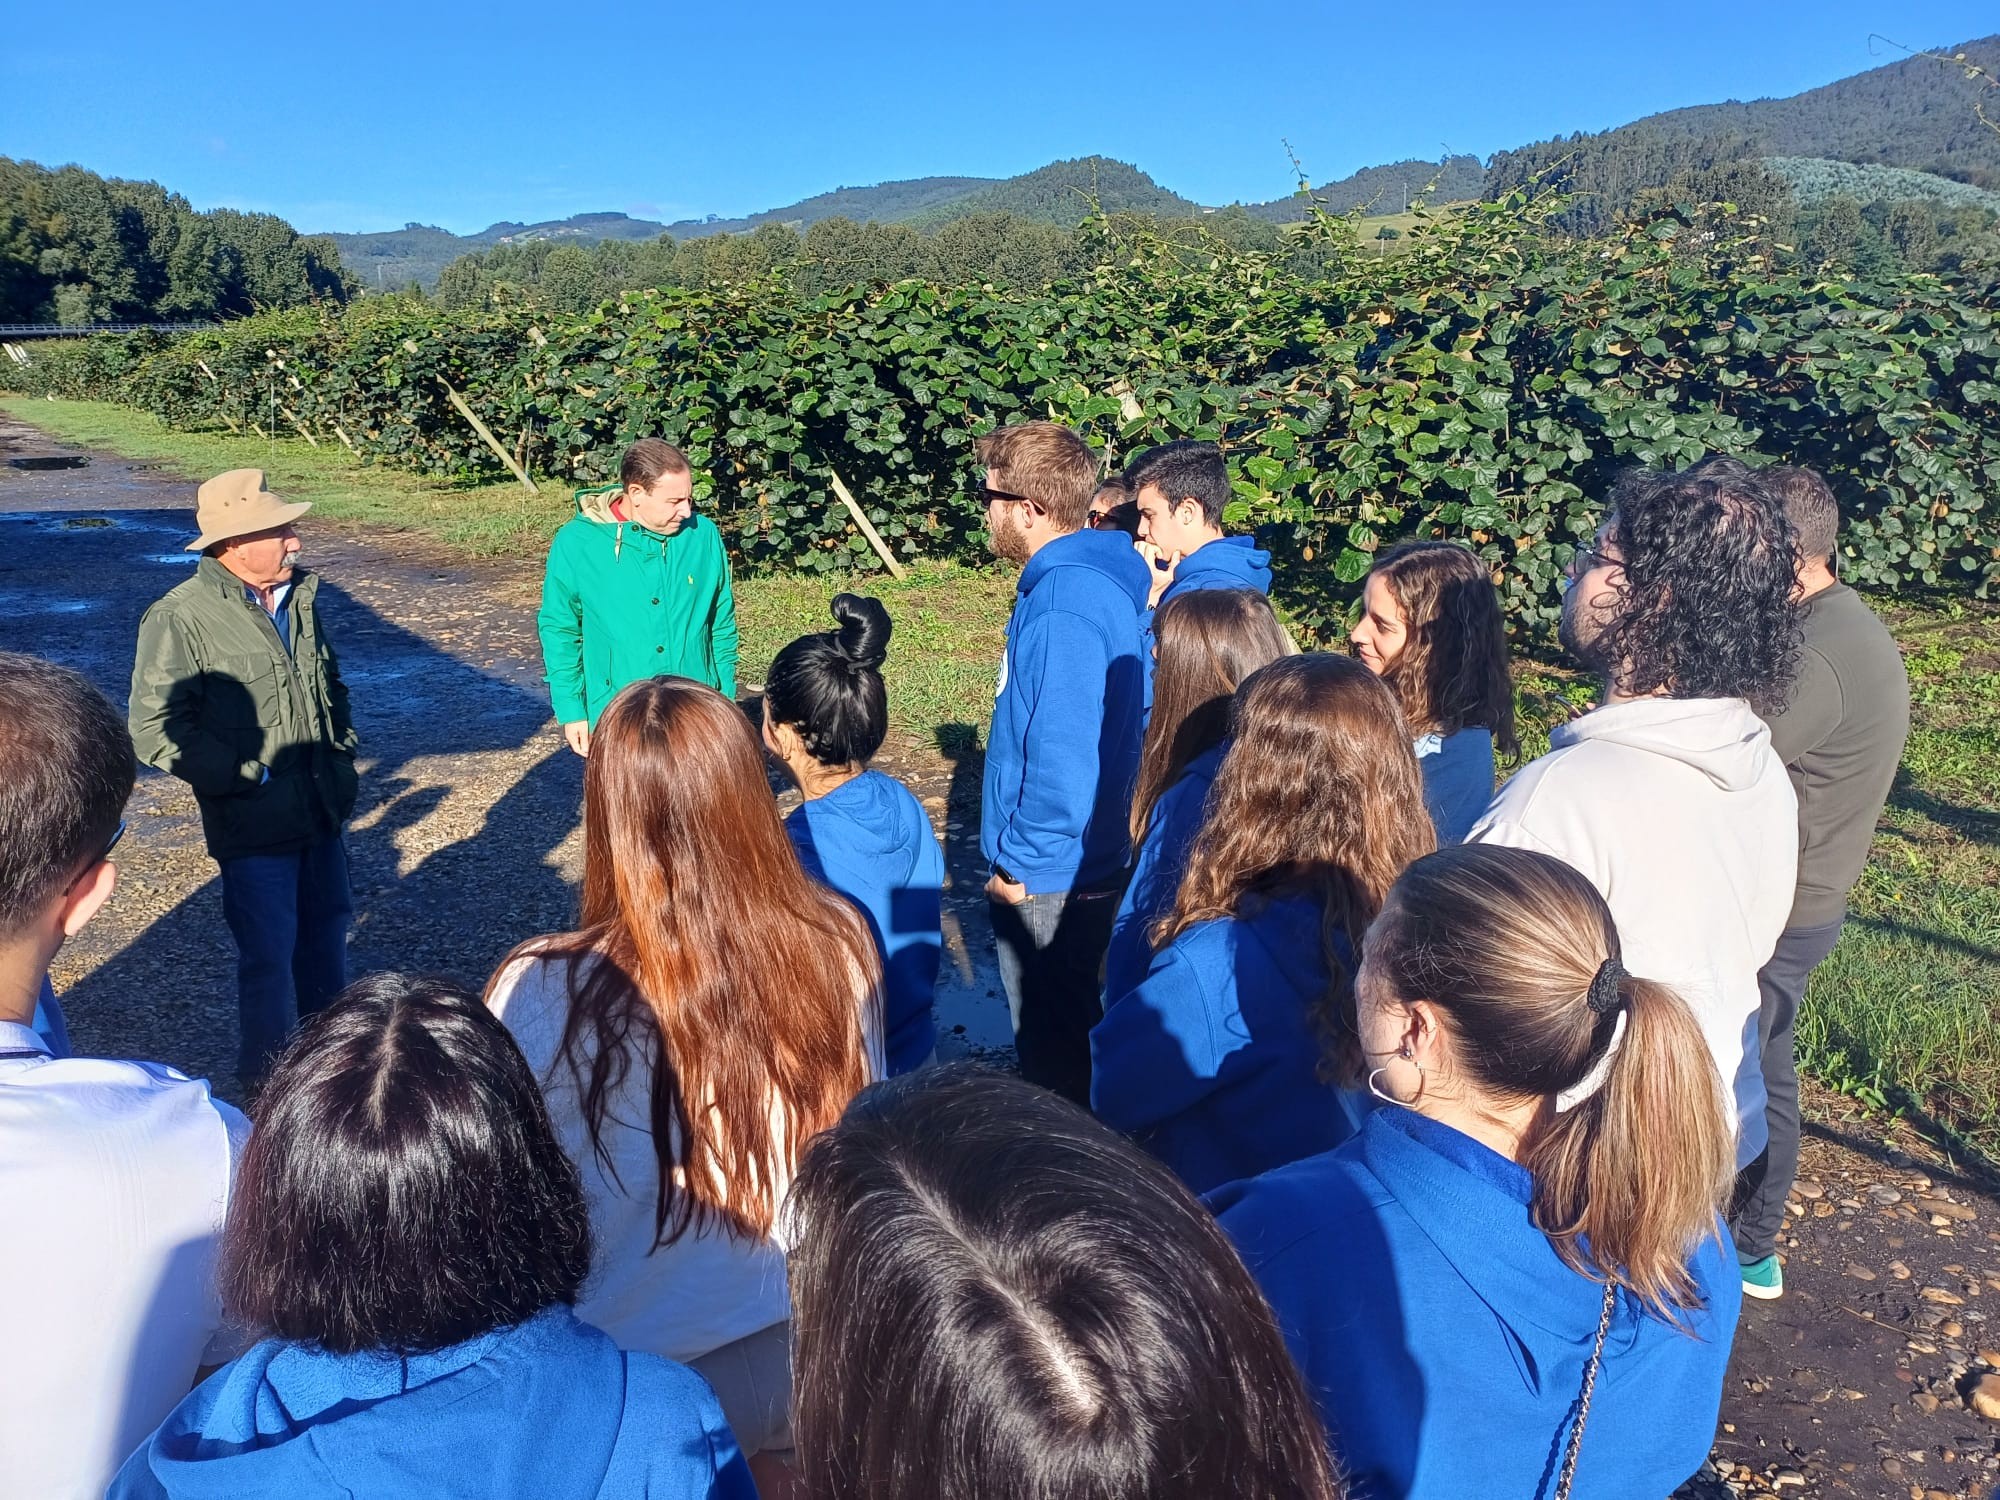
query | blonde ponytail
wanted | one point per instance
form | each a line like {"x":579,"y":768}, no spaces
{"x":1629,"y":1181}
{"x":1519,"y":953}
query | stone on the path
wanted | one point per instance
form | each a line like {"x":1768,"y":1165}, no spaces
{"x":1898,"y":1270}
{"x":1990,"y":1358}
{"x":1944,"y":1208}
{"x":1942,"y":1296}
{"x":1924,"y":1402}
{"x":1984,"y":1397}
{"x":1859,"y":1272}
{"x":1809,"y":1189}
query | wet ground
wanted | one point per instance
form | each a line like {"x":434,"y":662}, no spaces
{"x":1860,"y":1382}
{"x":466,"y":838}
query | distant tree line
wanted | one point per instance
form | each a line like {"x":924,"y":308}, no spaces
{"x":996,"y":248}
{"x":79,"y":248}
{"x":1819,"y":212}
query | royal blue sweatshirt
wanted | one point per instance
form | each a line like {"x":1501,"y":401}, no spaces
{"x":1064,"y":749}
{"x":549,"y":1408}
{"x":1445,"y":1341}
{"x":870,"y":840}
{"x":1156,"y":874}
{"x":1212,"y":1060}
{"x":1228,"y":562}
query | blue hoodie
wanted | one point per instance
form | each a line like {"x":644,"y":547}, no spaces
{"x":1156,"y":874}
{"x":1212,"y":1062}
{"x":870,"y":840}
{"x":549,"y":1408}
{"x":1445,"y":1340}
{"x":1064,"y":750}
{"x":1458,"y":780}
{"x":1228,"y":562}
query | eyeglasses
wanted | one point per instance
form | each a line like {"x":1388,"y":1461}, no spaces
{"x":102,"y":856}
{"x":1583,"y":559}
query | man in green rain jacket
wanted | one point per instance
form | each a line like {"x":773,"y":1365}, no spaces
{"x":236,"y":691}
{"x":637,"y":586}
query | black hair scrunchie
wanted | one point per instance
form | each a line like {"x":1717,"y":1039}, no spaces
{"x":1606,"y":995}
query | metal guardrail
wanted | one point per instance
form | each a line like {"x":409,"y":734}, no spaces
{"x":84,"y":330}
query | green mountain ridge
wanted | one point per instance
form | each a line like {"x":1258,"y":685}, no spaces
{"x":1916,"y":114}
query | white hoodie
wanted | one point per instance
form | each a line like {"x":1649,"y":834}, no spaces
{"x":1681,"y":814}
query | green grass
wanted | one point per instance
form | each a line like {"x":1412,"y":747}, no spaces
{"x":949,"y":619}
{"x":1903,"y":1012}
{"x":1901,"y":1015}
{"x":944,"y":657}
{"x":487,"y":520}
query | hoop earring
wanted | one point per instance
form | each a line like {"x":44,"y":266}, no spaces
{"x":1384,"y":1095}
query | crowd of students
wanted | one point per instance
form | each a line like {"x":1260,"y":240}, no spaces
{"x":1407,"y":1123}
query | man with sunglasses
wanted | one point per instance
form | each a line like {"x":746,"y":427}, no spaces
{"x":1064,"y":747}
{"x":115,"y":1174}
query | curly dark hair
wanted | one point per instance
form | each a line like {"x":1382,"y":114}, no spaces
{"x":1705,"y":606}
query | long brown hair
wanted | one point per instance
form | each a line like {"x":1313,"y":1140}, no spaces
{"x":1208,"y":641}
{"x":1452,"y":671}
{"x":1507,"y":944}
{"x":1319,"y":794}
{"x":709,"y":958}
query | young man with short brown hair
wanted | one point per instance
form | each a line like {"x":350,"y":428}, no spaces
{"x":1064,"y":747}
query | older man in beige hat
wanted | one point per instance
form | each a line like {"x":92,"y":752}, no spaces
{"x":237,"y":692}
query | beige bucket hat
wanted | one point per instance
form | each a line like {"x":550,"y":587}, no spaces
{"x":237,"y":504}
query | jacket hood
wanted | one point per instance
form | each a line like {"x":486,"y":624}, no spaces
{"x":1289,"y":929}
{"x":1108,"y":553}
{"x":594,"y":503}
{"x":1720,"y":737}
{"x":1473,"y":1205}
{"x":291,"y":1419}
{"x":1227,"y":562}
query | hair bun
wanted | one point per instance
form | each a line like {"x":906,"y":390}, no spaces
{"x":863,"y":637}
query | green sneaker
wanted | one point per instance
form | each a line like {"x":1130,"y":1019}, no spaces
{"x":1764,"y":1279}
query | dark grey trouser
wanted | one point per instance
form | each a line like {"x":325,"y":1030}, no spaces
{"x":1051,"y":949}
{"x":1763,"y":1186}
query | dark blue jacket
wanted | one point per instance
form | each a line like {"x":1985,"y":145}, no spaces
{"x":1156,"y":874}
{"x":1444,"y":1339}
{"x":549,"y":1409}
{"x":870,"y":839}
{"x":1064,"y":751}
{"x":1212,"y":1061}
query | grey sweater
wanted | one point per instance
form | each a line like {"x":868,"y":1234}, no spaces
{"x":1841,"y":738}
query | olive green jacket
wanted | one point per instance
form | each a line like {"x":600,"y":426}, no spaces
{"x":261,"y":734}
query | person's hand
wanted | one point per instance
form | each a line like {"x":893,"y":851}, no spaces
{"x":1162,"y":565}
{"x":578,"y":735}
{"x":1006,"y":892}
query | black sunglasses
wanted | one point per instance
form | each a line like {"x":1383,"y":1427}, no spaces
{"x":117,"y":834}
{"x":986,"y":495}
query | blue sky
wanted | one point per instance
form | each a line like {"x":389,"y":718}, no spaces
{"x":363,"y":116}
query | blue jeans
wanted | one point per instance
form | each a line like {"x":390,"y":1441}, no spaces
{"x":1051,"y":953}
{"x":289,"y":915}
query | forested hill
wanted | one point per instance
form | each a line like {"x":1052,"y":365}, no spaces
{"x":1918,"y":112}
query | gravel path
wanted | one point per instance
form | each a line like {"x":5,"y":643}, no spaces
{"x":1861,"y":1382}
{"x":466,"y":839}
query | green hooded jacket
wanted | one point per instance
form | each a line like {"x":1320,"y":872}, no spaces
{"x":621,"y":603}
{"x":262,"y":734}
